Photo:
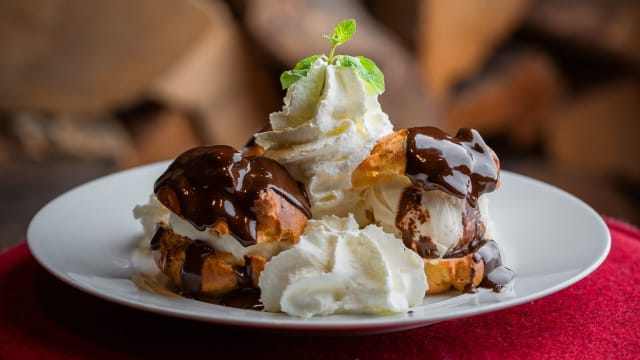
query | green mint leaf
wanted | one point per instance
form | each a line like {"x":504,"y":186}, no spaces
{"x":344,"y":31}
{"x":289,"y":77}
{"x":372,"y":74}
{"x":301,"y":69}
{"x":367,"y":69}
{"x":305,"y":64}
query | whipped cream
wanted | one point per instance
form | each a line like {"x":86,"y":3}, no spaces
{"x":150,"y":215}
{"x":444,"y":226}
{"x":154,"y":213}
{"x":338,"y":268}
{"x":329,"y":123}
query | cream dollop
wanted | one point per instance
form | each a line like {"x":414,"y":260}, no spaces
{"x":329,"y":123}
{"x":338,"y":268}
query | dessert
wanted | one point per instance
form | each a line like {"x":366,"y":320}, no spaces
{"x":218,"y":216}
{"x":427,"y":188}
{"x":327,"y":210}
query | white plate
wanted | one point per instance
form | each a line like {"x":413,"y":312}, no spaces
{"x":86,"y":237}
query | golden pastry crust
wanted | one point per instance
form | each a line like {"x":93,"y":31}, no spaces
{"x":278,"y":219}
{"x":460,"y":273}
{"x":385,"y":161}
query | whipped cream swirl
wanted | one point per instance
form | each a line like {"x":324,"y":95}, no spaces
{"x":338,"y":268}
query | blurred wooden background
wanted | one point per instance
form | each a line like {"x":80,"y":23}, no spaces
{"x":89,"y":88}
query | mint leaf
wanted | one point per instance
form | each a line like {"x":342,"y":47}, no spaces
{"x":372,"y":74}
{"x":342,"y":32}
{"x":367,"y":69}
{"x":301,"y":70}
{"x":289,"y":77}
{"x":305,"y":64}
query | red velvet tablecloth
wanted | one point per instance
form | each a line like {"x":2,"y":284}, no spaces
{"x":599,"y":317}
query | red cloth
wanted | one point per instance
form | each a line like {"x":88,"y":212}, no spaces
{"x":599,"y":317}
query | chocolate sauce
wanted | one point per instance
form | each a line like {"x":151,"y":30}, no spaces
{"x":208,"y":184}
{"x":473,"y":228}
{"x":496,"y":275}
{"x":243,"y":274}
{"x":462,"y":166}
{"x":191,"y":271}
{"x":245,"y":297}
{"x":410,"y":204}
{"x":157,"y":238}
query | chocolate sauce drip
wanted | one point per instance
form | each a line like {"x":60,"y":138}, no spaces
{"x":191,"y":272}
{"x":473,"y":228}
{"x":410,"y":204}
{"x":243,"y":274}
{"x":157,"y":238}
{"x":496,"y":275}
{"x":471,"y":247}
{"x":191,"y":278}
{"x":462,"y":166}
{"x":208,"y":184}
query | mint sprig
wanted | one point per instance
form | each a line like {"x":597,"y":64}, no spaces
{"x":365,"y":68}
{"x":343,"y":32}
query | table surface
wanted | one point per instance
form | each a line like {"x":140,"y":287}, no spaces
{"x":41,"y":317}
